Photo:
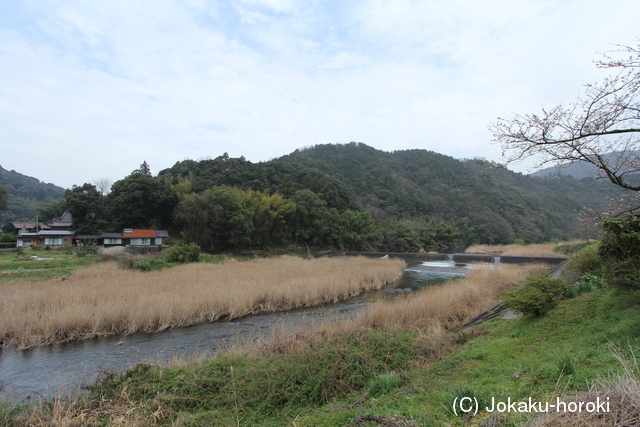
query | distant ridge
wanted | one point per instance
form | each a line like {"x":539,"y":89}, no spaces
{"x":577,"y":170}
{"x":26,"y":193}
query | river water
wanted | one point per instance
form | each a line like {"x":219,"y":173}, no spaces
{"x":62,"y":369}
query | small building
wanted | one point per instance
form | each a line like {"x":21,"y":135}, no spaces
{"x":27,"y":239}
{"x":141,"y":237}
{"x":45,"y":238}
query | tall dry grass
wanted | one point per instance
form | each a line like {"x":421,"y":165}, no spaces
{"x":440,"y":308}
{"x":534,"y":250}
{"x":103,"y":299}
{"x":433,"y":311}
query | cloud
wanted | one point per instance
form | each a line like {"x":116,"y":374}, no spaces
{"x":103,"y":86}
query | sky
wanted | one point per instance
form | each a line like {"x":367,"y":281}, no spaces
{"x":91,"y":89}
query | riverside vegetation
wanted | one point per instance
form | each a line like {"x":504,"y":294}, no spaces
{"x":104,"y":299}
{"x":401,"y":364}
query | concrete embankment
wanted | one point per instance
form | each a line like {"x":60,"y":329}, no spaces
{"x":458,"y":258}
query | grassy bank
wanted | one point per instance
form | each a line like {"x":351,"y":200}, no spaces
{"x":399,"y":375}
{"x":104,"y":299}
{"x":40,"y":264}
{"x":323,"y":377}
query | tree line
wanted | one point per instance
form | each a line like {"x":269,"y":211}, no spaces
{"x":223,"y":217}
{"x":350,"y":197}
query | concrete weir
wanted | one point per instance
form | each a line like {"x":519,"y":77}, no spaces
{"x":458,"y":258}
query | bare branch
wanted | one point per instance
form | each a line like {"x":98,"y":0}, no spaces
{"x":601,"y":127}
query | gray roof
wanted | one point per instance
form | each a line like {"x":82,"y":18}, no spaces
{"x":56,"y":233}
{"x":162,"y":233}
{"x":112,"y":235}
{"x":87,"y":237}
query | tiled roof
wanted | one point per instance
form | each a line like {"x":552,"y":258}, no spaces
{"x":141,"y":233}
{"x":162,"y":233}
{"x":86,"y":236}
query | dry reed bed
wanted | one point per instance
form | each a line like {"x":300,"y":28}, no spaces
{"x":534,"y":250}
{"x":103,"y":299}
{"x":439,"y":308}
{"x":433,"y":311}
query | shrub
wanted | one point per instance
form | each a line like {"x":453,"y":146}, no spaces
{"x":571,"y":248}
{"x":587,"y":260}
{"x":8,"y":237}
{"x":623,"y":273}
{"x":143,"y":264}
{"x":537,"y":295}
{"x":182,"y":253}
{"x":620,"y":248}
{"x":148,"y":264}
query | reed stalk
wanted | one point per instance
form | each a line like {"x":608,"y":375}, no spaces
{"x":104,"y":299}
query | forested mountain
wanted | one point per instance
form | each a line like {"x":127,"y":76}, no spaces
{"x":349,"y":196}
{"x":25,"y":195}
{"x":416,"y":197}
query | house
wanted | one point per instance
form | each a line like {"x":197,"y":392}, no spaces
{"x":45,"y":238}
{"x":128,"y":237}
{"x":62,"y":223}
{"x":136,"y":237}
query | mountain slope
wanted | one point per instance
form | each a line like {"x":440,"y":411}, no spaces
{"x":493,"y":204}
{"x":26,"y":193}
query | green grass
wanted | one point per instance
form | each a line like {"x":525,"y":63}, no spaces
{"x":265,"y":390}
{"x":18,"y":264}
{"x":526,"y":357}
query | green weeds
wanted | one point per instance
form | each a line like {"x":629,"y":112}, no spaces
{"x":271,"y":386}
{"x":384,"y":383}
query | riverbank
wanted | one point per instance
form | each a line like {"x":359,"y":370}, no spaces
{"x":103,"y":299}
{"x":410,"y":373}
{"x":402,"y":377}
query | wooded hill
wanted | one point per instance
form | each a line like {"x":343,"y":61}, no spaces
{"x":26,"y":194}
{"x":412,"y":199}
{"x":328,"y":196}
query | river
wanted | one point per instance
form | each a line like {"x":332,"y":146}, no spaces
{"x":58,"y":370}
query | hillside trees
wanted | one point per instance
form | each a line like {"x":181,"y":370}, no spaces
{"x":87,"y":208}
{"x":139,"y":201}
{"x":51,"y":210}
{"x":4,"y":197}
{"x":224,"y":218}
{"x":601,"y":127}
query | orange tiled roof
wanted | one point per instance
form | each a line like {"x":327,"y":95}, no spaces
{"x":140,"y":233}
